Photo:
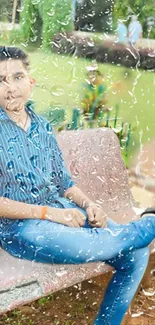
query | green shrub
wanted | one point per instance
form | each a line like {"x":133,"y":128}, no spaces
{"x":55,"y":19}
{"x":43,"y":19}
{"x":28,"y":20}
{"x":104,"y":52}
{"x":6,"y":10}
{"x":16,"y":36}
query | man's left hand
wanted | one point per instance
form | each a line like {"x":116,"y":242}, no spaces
{"x":96,"y":216}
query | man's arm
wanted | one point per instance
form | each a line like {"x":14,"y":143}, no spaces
{"x":76,"y":195}
{"x":18,"y":210}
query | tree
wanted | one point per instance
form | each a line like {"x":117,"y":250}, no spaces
{"x":6,"y":10}
{"x":15,"y":2}
{"x":143,"y":9}
{"x":94,"y":15}
{"x":48,"y":16}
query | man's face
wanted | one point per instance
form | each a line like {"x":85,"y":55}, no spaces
{"x":15,"y":85}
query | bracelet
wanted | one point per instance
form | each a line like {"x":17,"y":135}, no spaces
{"x":43,"y":213}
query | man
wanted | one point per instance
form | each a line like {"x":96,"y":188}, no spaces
{"x":122,"y":32}
{"x":44,"y":216}
{"x":134,"y":31}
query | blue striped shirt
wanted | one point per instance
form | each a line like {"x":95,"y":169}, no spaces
{"x":32,"y":169}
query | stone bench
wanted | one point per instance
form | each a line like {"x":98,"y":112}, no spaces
{"x":142,"y":172}
{"x":94,"y":160}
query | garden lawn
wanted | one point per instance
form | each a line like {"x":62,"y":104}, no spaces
{"x":132,"y":90}
{"x":59,"y":84}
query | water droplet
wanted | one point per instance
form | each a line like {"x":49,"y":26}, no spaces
{"x":48,"y":128}
{"x":137,"y":314}
{"x":39,"y":237}
{"x":7,"y":187}
{"x":34,"y":192}
{"x":10,"y":166}
{"x":10,"y":150}
{"x":33,"y":160}
{"x":23,"y":186}
{"x":13,"y":140}
{"x":149,"y":293}
{"x":31,"y":177}
{"x":95,"y":157}
{"x":68,"y":218}
{"x":114,"y":232}
{"x":61,"y":272}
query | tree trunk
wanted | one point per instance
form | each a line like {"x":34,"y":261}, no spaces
{"x":14,"y":11}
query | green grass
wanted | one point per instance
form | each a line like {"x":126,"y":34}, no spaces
{"x":59,"y":84}
{"x":63,"y":76}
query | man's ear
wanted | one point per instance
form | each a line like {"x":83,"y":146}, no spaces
{"x":32,"y":82}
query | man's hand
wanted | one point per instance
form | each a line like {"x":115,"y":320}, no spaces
{"x":96,"y":216}
{"x":68,"y":217}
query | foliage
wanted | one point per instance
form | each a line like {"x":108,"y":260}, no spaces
{"x":45,"y":18}
{"x":16,"y":36}
{"x":127,"y":8}
{"x":94,"y":15}
{"x":6,"y":10}
{"x":28,"y":20}
{"x":56,"y":18}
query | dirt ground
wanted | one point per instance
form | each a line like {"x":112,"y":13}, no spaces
{"x":78,"y":305}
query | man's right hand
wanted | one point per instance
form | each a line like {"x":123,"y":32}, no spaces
{"x":69,"y":217}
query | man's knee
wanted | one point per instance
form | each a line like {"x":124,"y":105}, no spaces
{"x":137,"y":259}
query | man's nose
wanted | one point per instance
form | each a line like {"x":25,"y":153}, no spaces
{"x":10,"y":86}
{"x":10,"y":92}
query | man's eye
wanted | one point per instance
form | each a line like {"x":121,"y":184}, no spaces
{"x":19,"y":77}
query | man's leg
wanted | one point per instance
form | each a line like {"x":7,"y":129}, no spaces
{"x":129,"y":271}
{"x":48,"y":242}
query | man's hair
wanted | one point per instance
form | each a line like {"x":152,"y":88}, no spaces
{"x":15,"y":53}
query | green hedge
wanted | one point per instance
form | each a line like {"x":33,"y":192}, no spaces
{"x":44,"y":19}
{"x":106,"y":51}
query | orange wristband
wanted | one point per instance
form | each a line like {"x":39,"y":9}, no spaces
{"x":43,"y":213}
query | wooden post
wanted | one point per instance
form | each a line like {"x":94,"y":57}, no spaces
{"x":14,"y":11}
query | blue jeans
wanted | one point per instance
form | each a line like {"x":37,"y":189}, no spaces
{"x":122,"y":246}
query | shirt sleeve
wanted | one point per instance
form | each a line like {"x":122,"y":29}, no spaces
{"x":60,"y":175}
